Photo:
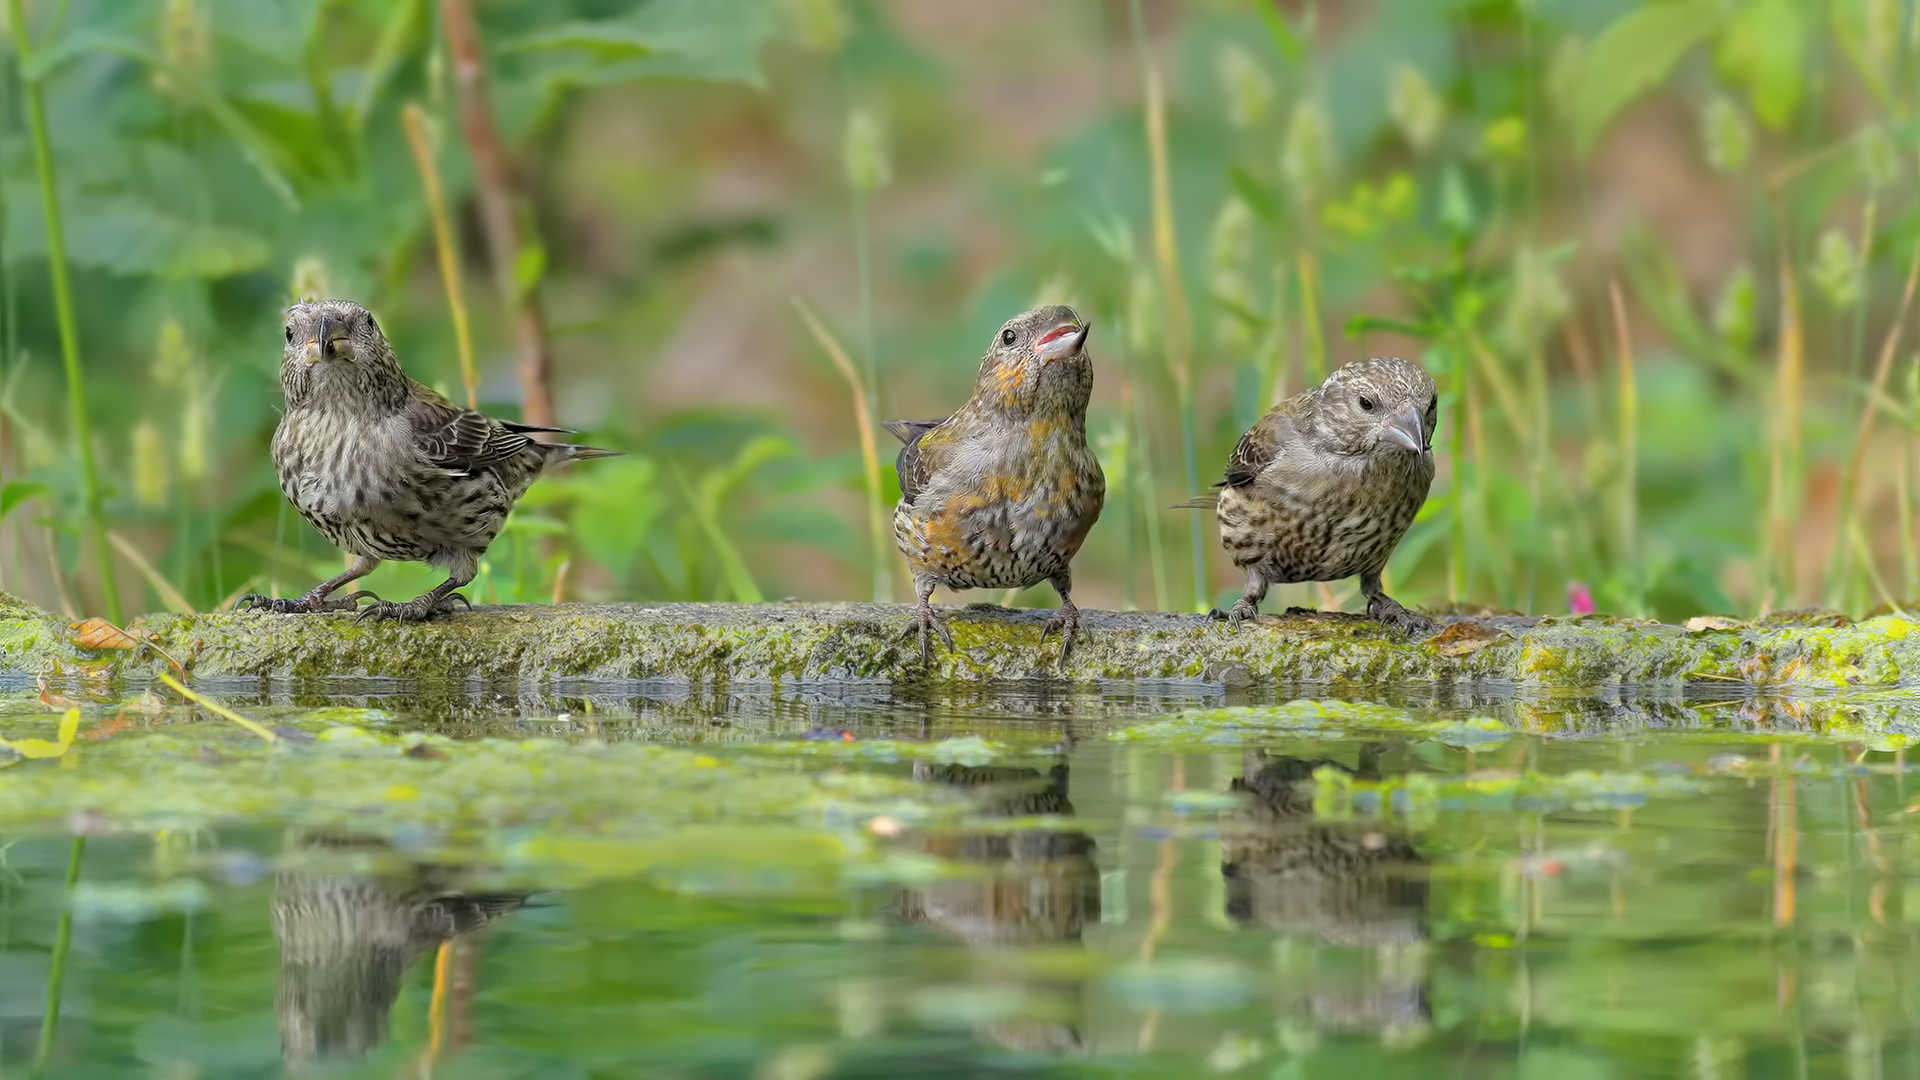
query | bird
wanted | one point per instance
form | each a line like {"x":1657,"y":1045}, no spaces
{"x":386,"y":468}
{"x":1326,"y":484}
{"x":1022,"y":888}
{"x":1001,"y":494}
{"x":1351,"y":886}
{"x":347,"y":933}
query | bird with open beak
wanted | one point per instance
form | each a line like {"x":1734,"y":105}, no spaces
{"x":1326,"y":484}
{"x":1001,"y":494}
{"x":386,"y":468}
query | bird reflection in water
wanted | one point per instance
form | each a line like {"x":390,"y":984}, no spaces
{"x":1331,"y":888}
{"x":351,"y":915}
{"x":1032,"y":888}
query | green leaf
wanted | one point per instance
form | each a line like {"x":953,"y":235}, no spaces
{"x":529,"y":267}
{"x":1283,"y":36}
{"x":41,"y":748}
{"x":1634,"y":54}
{"x":132,"y":237}
{"x":254,"y":144}
{"x":732,"y":566}
{"x":1763,"y":50}
{"x":702,"y":40}
{"x":1255,"y":193}
{"x":1362,"y":324}
{"x":18,"y":491}
{"x":1456,"y":206}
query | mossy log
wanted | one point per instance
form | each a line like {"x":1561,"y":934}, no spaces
{"x":796,"y":643}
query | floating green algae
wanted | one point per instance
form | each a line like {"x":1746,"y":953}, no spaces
{"x":1252,"y":725}
{"x":564,"y":811}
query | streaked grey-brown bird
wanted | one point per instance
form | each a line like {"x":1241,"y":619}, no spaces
{"x":1347,"y":885}
{"x":1326,"y":484}
{"x":386,"y":468}
{"x":1001,"y":494}
{"x":348,"y":931}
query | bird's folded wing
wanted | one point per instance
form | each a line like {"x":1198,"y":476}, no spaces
{"x":460,"y":440}
{"x":919,"y":457}
{"x":1260,"y":446}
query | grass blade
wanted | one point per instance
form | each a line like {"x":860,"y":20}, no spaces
{"x":217,"y":709}
{"x":63,"y":309}
{"x":869,"y":452}
{"x":415,"y":120}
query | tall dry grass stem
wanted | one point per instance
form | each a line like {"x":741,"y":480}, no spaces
{"x":1627,"y":417}
{"x":414,"y":118}
{"x":869,"y":452}
{"x":1177,"y":325}
{"x":1841,"y":569}
{"x":1784,"y":447}
{"x":517,"y":268}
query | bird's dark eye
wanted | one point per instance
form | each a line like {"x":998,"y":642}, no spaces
{"x":371,"y":325}
{"x":1006,"y":337}
{"x":289,"y":333}
{"x":1366,"y":403}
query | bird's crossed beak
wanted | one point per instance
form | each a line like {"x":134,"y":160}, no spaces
{"x":325,"y":334}
{"x":1404,"y":427}
{"x":1062,"y":341}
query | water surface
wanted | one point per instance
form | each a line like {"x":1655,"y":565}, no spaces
{"x":843,"y":882}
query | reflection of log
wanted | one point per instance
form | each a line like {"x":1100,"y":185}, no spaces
{"x":347,"y":935}
{"x":1338,"y":884}
{"x":1034,"y":887}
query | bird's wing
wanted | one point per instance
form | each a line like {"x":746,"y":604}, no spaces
{"x":920,"y":456}
{"x":461,"y":440}
{"x":1260,"y":446}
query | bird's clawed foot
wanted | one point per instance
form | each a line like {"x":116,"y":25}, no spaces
{"x":1386,"y":610}
{"x":1244,"y":610}
{"x":1066,"y":623}
{"x":928,"y":624}
{"x":309,"y":604}
{"x":419,"y":609}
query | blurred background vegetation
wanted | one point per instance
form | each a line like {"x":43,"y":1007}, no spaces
{"x":1658,"y":255}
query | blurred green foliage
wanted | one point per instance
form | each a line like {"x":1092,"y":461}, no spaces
{"x":1467,"y":182}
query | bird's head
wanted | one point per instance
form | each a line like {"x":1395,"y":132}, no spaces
{"x":1384,"y":405}
{"x":334,"y":349}
{"x":1038,"y":362}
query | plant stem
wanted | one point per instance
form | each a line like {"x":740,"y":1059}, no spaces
{"x":1784,"y":465}
{"x":1842,"y":568}
{"x":1456,"y":367}
{"x":518,"y":285}
{"x":63,"y":308}
{"x":1144,"y":474}
{"x":1316,"y":344}
{"x":1177,"y":325}
{"x":63,"y":936}
{"x":1628,"y":436}
{"x":415,"y":120}
{"x":869,"y":453}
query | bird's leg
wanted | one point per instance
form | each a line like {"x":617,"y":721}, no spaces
{"x":929,"y":622}
{"x":1385,"y":609}
{"x":1248,"y":606}
{"x":1066,"y":621}
{"x":316,"y":598}
{"x":421,"y":608}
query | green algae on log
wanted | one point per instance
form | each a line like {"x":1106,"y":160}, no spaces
{"x":829,"y":642}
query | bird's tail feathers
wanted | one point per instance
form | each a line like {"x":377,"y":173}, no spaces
{"x":908,"y":430}
{"x":571,"y":452}
{"x":1202,"y":502}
